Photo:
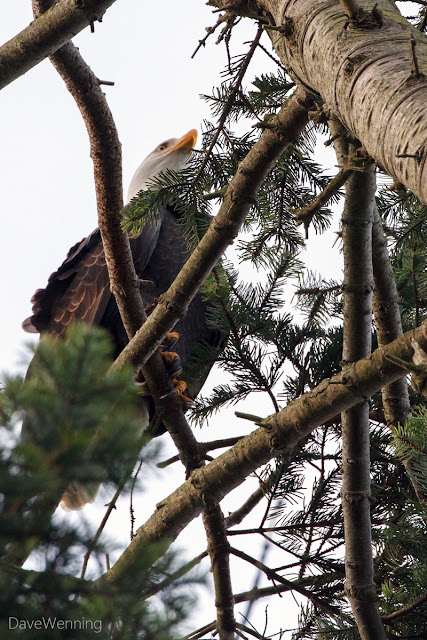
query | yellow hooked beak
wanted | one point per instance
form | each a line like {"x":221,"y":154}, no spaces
{"x":188,"y":141}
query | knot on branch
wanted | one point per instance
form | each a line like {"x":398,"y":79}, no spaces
{"x":355,"y":497}
{"x":362,"y":19}
{"x":365,"y":592}
{"x":364,"y":288}
{"x":91,"y":11}
{"x":287,"y":29}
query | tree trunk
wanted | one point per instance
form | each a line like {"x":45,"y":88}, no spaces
{"x":366,"y":77}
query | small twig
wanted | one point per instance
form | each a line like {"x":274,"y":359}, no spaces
{"x":215,"y":194}
{"x":226,"y":17}
{"x":305,"y":215}
{"x":170,"y":579}
{"x":111,"y":506}
{"x":248,"y":416}
{"x":230,"y":100}
{"x":404,"y":610}
{"x":132,"y":514}
{"x":204,"y":447}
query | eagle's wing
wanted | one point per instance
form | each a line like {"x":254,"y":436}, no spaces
{"x":79,"y":290}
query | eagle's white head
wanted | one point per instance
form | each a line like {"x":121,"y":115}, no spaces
{"x":171,"y":154}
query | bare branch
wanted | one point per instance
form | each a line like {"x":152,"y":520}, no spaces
{"x":46,"y":34}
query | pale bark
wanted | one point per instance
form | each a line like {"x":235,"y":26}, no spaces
{"x":365,"y":77}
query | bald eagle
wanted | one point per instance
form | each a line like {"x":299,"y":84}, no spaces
{"x":80,"y":290}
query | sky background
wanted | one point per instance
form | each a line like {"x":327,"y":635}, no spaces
{"x":47,"y":200}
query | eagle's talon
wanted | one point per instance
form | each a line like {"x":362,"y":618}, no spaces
{"x":172,"y":362}
{"x":170,"y":341}
{"x":169,"y":394}
{"x":180,"y":387}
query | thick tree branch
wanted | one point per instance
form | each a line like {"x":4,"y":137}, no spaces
{"x":240,"y":195}
{"x":362,"y":75}
{"x":356,"y":484}
{"x":279,"y":432}
{"x":46,"y":34}
{"x":219,"y":553}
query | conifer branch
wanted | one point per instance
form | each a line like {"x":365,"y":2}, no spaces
{"x":231,"y":98}
{"x":46,"y":34}
{"x":404,"y":610}
{"x":280,"y":431}
{"x":295,"y":585}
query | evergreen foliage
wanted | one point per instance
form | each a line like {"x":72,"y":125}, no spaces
{"x":82,"y":424}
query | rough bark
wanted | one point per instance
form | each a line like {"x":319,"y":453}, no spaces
{"x":46,"y":34}
{"x":279,"y":432}
{"x":366,"y":77}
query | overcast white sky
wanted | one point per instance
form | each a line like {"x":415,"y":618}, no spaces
{"x":47,"y":199}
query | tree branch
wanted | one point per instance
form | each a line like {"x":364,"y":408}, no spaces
{"x":46,"y":34}
{"x":296,"y":586}
{"x":363,"y":79}
{"x":279,"y":432}
{"x":305,"y":215}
